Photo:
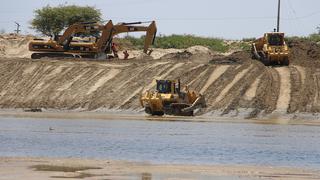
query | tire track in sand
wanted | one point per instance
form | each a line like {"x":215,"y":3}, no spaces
{"x":128,"y":100}
{"x":239,"y":76}
{"x":297,"y":88}
{"x":213,"y":77}
{"x":138,"y":73}
{"x":316,"y":98}
{"x":69,"y":84}
{"x":100,"y":82}
{"x":252,"y":91}
{"x":200,"y":75}
{"x":285,"y":88}
{"x":302,"y":72}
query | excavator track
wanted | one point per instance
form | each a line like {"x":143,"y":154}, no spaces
{"x":59,"y":55}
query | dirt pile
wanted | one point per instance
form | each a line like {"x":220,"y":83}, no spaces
{"x":15,"y":46}
{"x":304,"y":53}
{"x":234,"y":84}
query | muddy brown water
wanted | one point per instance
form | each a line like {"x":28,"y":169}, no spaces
{"x":163,"y":142}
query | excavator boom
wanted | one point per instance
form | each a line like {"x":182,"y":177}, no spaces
{"x":128,"y":27}
{"x":77,"y":28}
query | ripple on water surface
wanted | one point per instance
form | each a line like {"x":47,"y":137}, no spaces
{"x":163,"y":142}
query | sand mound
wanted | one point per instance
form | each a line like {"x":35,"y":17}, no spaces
{"x":199,"y":50}
{"x":234,"y":58}
{"x":304,"y":53}
{"x":15,"y":46}
{"x":195,"y":51}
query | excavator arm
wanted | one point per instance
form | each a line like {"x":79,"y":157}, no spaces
{"x":67,"y":36}
{"x":110,"y":30}
{"x":151,"y":31}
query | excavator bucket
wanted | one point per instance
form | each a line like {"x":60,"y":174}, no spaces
{"x":106,"y":37}
{"x":150,"y":37}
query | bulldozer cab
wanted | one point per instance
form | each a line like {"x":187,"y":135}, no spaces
{"x":275,"y":39}
{"x":168,"y":87}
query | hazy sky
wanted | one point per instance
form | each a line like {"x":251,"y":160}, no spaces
{"x":232,"y":19}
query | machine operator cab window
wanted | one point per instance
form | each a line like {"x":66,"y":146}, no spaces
{"x":275,"y":39}
{"x":165,"y":86}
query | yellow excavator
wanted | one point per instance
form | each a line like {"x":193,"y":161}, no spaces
{"x":271,"y":49}
{"x":169,"y":99}
{"x":65,"y":46}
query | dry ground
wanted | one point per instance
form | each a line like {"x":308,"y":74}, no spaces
{"x":45,"y":168}
{"x":233,"y":85}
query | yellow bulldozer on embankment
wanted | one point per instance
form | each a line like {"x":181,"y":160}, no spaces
{"x":271,"y":49}
{"x":169,"y":99}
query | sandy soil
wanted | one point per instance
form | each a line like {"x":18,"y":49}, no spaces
{"x":297,"y":119}
{"x":233,"y":85}
{"x":46,"y":168}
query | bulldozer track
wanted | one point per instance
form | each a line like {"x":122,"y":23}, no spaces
{"x":297,"y":83}
{"x":252,"y":90}
{"x":236,"y":97}
{"x":227,"y":88}
{"x":285,"y":88}
{"x":316,"y":99}
{"x":267,"y":91}
{"x":213,"y":77}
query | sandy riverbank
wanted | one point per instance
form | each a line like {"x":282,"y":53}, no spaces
{"x":47,"y":168}
{"x":297,"y":119}
{"x":232,"y":84}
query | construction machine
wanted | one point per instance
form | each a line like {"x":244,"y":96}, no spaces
{"x":65,"y":46}
{"x":169,"y":99}
{"x":271,"y":49}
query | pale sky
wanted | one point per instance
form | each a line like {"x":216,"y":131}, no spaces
{"x":230,"y":19}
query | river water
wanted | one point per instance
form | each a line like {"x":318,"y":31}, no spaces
{"x":163,"y":142}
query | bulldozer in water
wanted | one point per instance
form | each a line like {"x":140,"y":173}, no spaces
{"x":271,"y":49}
{"x":169,"y":99}
{"x":100,"y":47}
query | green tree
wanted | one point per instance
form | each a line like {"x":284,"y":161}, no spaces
{"x":318,"y":28}
{"x":51,"y":21}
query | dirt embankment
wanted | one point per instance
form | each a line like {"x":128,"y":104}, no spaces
{"x":14,"y":46}
{"x":232,"y":85}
